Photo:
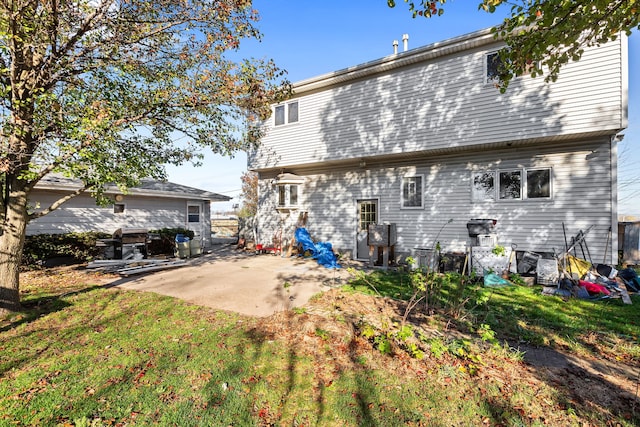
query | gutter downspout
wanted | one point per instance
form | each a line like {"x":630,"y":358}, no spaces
{"x":613,"y":259}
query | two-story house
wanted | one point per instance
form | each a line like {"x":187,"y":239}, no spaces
{"x":422,"y":137}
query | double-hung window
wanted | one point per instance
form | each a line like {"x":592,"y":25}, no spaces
{"x":511,"y":184}
{"x":286,"y":113}
{"x":412,"y":192}
{"x":193,"y":213}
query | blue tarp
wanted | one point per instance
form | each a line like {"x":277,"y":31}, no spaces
{"x":321,"y":251}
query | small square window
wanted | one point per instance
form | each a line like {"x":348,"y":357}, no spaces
{"x":483,"y":186}
{"x":510,"y":185}
{"x":118,"y":208}
{"x":412,"y":192}
{"x":539,"y":184}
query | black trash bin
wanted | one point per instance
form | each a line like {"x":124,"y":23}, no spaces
{"x":481,"y":226}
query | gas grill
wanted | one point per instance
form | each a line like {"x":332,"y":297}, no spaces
{"x":126,"y":243}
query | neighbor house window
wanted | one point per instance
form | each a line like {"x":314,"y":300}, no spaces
{"x":287,"y":111}
{"x":412,"y":192}
{"x":288,"y":195}
{"x":511,"y":184}
{"x":118,"y":208}
{"x":193,"y":213}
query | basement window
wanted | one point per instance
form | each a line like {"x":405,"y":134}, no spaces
{"x":118,"y":208}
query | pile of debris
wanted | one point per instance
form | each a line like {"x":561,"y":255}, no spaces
{"x":581,"y":278}
{"x":571,"y":273}
{"x":127,"y":253}
{"x":131,"y":267}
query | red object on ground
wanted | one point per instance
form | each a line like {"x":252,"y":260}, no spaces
{"x":594,"y":288}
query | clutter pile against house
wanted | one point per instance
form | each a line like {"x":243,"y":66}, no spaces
{"x":570,"y":273}
{"x":130,"y":251}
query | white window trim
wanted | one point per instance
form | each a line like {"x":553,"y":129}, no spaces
{"x":473,"y":174}
{"x":287,"y":196}
{"x":200,"y":213}
{"x":402,"y":200}
{"x":286,"y":113}
{"x":523,"y":185}
{"x":526,"y":190}
{"x":485,"y":68}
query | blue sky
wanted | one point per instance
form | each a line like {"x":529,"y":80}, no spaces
{"x":312,"y":38}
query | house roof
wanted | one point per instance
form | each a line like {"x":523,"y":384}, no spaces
{"x":147,"y":187}
{"x":398,"y":60}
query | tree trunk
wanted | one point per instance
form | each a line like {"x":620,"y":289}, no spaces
{"x":11,"y":244}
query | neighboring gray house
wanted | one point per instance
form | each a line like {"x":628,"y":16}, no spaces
{"x":422,"y":137}
{"x":151,"y":205}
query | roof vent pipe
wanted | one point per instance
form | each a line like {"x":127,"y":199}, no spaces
{"x":395,"y":46}
{"x":405,"y":41}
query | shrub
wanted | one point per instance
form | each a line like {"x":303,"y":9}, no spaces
{"x":75,"y":247}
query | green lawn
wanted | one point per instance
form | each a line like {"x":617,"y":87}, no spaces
{"x":108,"y":357}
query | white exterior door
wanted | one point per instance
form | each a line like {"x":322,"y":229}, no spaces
{"x":195,"y":220}
{"x":367,"y":214}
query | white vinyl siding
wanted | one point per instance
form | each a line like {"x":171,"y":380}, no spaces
{"x":81,"y":214}
{"x":444,"y":104}
{"x":581,"y":198}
